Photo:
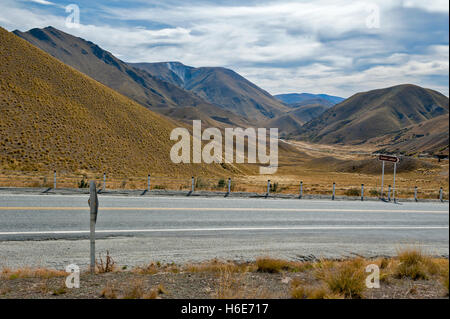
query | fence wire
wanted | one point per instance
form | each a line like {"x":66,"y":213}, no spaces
{"x":219,"y":184}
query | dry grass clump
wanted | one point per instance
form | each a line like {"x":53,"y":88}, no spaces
{"x":231,"y":285}
{"x":414,"y":264}
{"x":217,"y":266}
{"x":346,"y":278}
{"x":301,"y":290}
{"x":61,"y":290}
{"x":109,"y":292}
{"x":44,"y":273}
{"x":134,"y":291}
{"x":154,"y":268}
{"x":109,"y":265}
{"x":137,"y":291}
{"x":271,"y":265}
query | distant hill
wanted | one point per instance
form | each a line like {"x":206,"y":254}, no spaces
{"x":375,"y":113}
{"x":137,"y":84}
{"x":222,"y":87}
{"x":430,"y":136}
{"x":54,"y":117}
{"x":292,"y":122}
{"x":308,"y":112}
{"x":300,"y":99}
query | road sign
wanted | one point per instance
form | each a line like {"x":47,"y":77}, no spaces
{"x":388,"y":158}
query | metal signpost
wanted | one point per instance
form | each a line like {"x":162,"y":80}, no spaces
{"x":93,"y":204}
{"x":392,"y":159}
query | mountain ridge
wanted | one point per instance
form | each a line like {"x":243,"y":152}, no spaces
{"x":220,"y":86}
{"x":139,"y":85}
{"x":53,"y":117}
{"x":372,"y":114}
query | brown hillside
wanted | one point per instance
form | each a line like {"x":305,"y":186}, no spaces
{"x":375,"y":113}
{"x":222,"y":87}
{"x":54,"y":117}
{"x":431,"y":136}
{"x":137,"y":84}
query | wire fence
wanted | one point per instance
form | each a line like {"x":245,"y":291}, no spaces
{"x":220,"y":184}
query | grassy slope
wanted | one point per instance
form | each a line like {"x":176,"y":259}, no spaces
{"x":54,"y":117}
{"x":430,"y":136}
{"x":375,"y":113}
{"x":137,"y":84}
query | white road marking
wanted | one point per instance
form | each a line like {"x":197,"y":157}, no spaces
{"x":118,"y":231}
{"x":224,"y":209}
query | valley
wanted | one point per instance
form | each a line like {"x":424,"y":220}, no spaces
{"x":323,"y":138}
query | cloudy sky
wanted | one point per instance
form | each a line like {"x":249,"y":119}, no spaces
{"x":322,"y":46}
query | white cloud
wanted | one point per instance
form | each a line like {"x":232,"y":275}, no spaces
{"x":432,"y":6}
{"x":44,"y":2}
{"x":290,"y":46}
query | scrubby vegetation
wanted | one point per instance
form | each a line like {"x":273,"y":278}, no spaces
{"x":411,"y":274}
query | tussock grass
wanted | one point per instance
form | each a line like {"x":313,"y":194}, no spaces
{"x":137,"y":291}
{"x":346,"y":278}
{"x":232,"y":285}
{"x":271,"y":265}
{"x":217,"y":266}
{"x":301,"y":290}
{"x":61,"y":290}
{"x":156,"y":267}
{"x":109,"y":292}
{"x":43,"y":273}
{"x":413,"y":264}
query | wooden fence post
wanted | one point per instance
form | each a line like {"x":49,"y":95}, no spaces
{"x":93,"y":203}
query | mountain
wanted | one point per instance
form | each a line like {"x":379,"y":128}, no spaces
{"x":304,"y":107}
{"x":222,"y":87}
{"x":292,"y":122}
{"x":308,"y":112}
{"x":300,"y":99}
{"x":375,"y":113}
{"x":430,"y":136}
{"x":54,"y":117}
{"x":137,"y":84}
{"x":288,"y":125}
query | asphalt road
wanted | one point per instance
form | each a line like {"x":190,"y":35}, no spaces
{"x":53,"y":230}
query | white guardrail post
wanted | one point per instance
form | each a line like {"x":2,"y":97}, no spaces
{"x":93,"y":204}
{"x":268,"y":187}
{"x":415,"y":193}
{"x":54,"y":179}
{"x":441,"y":197}
{"x":229,"y":185}
{"x":192,"y":184}
{"x":362,"y":192}
{"x":104,"y":182}
{"x":389,"y":193}
{"x":301,"y":189}
{"x":148,"y":182}
{"x":334,"y":191}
